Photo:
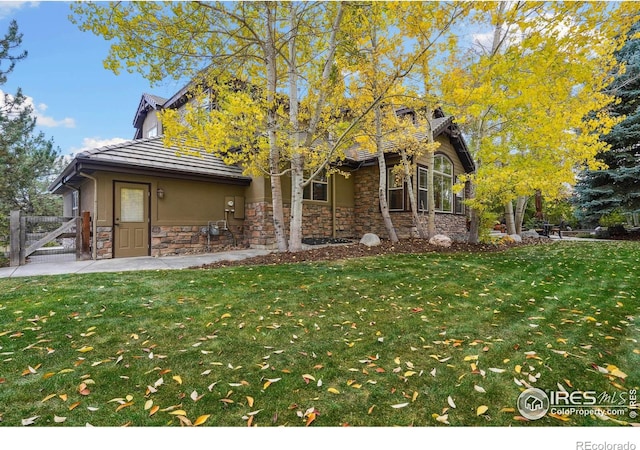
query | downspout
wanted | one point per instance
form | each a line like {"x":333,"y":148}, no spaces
{"x":94,"y":239}
{"x":333,"y":207}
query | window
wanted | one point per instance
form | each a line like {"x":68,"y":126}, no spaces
{"x":318,"y":189}
{"x":131,"y":205}
{"x":207,"y":103}
{"x":423,"y":198}
{"x":75,"y":203}
{"x":153,"y":131}
{"x":459,"y":201}
{"x":442,"y":185}
{"x":395,"y":191}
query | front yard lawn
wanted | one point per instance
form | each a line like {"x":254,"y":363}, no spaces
{"x":426,"y":340}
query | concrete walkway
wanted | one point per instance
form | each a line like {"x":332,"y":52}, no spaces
{"x":127,"y":264}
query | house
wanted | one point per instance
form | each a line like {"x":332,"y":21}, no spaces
{"x":145,"y":198}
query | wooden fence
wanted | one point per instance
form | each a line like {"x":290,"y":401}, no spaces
{"x":31,"y":234}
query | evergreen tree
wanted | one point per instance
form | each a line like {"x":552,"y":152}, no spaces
{"x":27,"y":159}
{"x":617,"y":188}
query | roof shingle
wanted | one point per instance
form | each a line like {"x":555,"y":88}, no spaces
{"x":151,"y":155}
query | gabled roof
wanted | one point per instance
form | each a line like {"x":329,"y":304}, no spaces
{"x":147,"y":103}
{"x":441,"y":125}
{"x":149,"y":157}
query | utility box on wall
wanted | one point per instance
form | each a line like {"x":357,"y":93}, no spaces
{"x":235,"y":206}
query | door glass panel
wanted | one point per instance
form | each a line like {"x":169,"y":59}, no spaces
{"x":131,"y":205}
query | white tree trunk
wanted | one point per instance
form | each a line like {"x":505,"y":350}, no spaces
{"x":422,"y":232}
{"x":274,"y":151}
{"x":297,"y":159}
{"x":382,"y":187}
{"x":431,"y":196}
{"x":509,"y":218}
{"x":521,"y":208}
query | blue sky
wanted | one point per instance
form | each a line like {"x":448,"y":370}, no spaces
{"x":77,"y":102}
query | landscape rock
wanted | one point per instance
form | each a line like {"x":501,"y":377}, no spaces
{"x":440,"y":240}
{"x":516,"y":237}
{"x":370,"y":240}
{"x":530,"y":234}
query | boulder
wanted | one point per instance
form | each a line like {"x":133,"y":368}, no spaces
{"x":515,"y":237}
{"x":440,"y":240}
{"x":370,"y":240}
{"x":530,"y":234}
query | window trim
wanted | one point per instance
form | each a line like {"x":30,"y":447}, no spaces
{"x":442,"y":175}
{"x":322,"y":180}
{"x":399,"y":188}
{"x":445,"y":175}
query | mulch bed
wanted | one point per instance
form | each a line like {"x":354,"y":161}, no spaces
{"x":356,"y":250}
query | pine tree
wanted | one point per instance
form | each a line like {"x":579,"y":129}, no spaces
{"x":617,"y":188}
{"x":27,"y":158}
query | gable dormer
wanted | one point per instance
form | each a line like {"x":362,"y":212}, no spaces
{"x":146,"y":121}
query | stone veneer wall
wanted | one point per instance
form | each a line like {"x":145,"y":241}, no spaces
{"x":189,"y":239}
{"x":316,"y":222}
{"x":104,"y":243}
{"x":369,"y":219}
{"x":175,"y":240}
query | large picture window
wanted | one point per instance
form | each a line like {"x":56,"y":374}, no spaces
{"x":395,"y":191}
{"x":318,"y":189}
{"x":442,"y":185}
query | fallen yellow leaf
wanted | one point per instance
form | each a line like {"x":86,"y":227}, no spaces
{"x":249,"y":402}
{"x":74,"y":406}
{"x":333,"y":390}
{"x":481,"y":410}
{"x":48,"y":397}
{"x":442,"y":419}
{"x":85,"y":349}
{"x":202,"y":419}
{"x":178,"y":412}
{"x":124,"y":405}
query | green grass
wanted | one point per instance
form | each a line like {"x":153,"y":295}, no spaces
{"x":349,"y":339}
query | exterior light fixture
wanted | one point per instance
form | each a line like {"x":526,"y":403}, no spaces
{"x":160,"y":193}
